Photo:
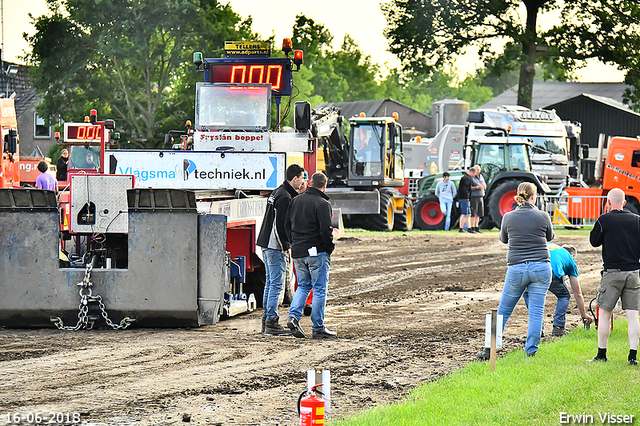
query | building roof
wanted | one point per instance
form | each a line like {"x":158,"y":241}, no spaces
{"x":611,"y":102}
{"x":349,"y":109}
{"x":20,"y":84}
{"x":546,"y":93}
{"x":370,"y":108}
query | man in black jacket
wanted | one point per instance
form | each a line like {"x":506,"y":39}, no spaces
{"x":275,"y":245}
{"x":309,"y":226}
{"x":618,"y":232}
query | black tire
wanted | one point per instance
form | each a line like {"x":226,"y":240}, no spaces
{"x":404,"y":220}
{"x":255,"y":284}
{"x":502,"y":200}
{"x":428,"y":215}
{"x":384,"y":220}
{"x":352,"y":221}
{"x":485,"y":223}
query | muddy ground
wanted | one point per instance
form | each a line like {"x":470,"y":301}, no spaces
{"x":408,"y":308}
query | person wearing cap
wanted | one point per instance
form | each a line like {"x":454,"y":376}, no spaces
{"x":276,"y":245}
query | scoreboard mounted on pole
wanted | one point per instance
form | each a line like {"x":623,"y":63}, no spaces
{"x":274,"y":71}
{"x":251,"y":63}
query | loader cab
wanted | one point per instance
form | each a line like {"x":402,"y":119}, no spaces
{"x":375,"y":158}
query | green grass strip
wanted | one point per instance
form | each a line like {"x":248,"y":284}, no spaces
{"x":526,"y":391}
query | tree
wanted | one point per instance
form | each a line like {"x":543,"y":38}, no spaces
{"x":606,"y":30}
{"x":501,"y":71}
{"x":127,"y":58}
{"x":430,"y":33}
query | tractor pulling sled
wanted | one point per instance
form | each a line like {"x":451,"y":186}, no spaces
{"x":162,"y":238}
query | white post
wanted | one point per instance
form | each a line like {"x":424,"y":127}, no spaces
{"x":324,"y":376}
{"x":326,"y":390}
{"x":493,"y":335}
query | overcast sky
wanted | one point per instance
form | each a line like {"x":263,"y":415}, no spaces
{"x":361,"y":19}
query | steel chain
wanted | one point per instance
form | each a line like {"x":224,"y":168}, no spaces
{"x":83,"y":308}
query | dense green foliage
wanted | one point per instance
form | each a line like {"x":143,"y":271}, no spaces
{"x":131,"y":60}
{"x":128,"y":59}
{"x":426,"y":34}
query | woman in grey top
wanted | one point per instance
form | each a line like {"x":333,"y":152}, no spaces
{"x":526,"y":230}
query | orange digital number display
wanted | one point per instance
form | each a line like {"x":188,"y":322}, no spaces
{"x":82,"y":133}
{"x":268,"y":74}
{"x":247,"y":72}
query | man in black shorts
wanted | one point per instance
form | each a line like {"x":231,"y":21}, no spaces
{"x":478,"y":186}
{"x":464,"y":198}
{"x":618,"y":232}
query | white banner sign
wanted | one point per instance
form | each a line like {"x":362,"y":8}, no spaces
{"x":199,"y":170}
{"x":240,"y":141}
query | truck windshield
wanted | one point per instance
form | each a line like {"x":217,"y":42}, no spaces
{"x":367,"y":141}
{"x":228,"y":107}
{"x":548,"y":145}
{"x":84,"y":157}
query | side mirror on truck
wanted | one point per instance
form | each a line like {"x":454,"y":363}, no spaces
{"x":12,"y":141}
{"x":302,"y":116}
{"x":585,"y":151}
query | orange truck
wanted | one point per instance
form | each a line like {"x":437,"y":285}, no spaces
{"x":621,"y":169}
{"x":9,"y":148}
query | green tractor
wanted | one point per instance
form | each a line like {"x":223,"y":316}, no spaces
{"x":505,"y":164}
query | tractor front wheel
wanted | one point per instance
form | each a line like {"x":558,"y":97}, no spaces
{"x":502,"y":200}
{"x":429,"y":217}
{"x":384,"y":220}
{"x":404,"y":220}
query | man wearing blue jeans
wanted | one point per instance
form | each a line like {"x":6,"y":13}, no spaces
{"x":275,"y":245}
{"x":309,"y":228}
{"x":563,"y":265}
{"x":446,"y":192}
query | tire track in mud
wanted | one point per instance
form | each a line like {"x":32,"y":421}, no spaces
{"x":419,"y":319}
{"x":419,"y":269}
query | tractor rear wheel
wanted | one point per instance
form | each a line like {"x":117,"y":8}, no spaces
{"x":404,"y":220}
{"x":384,"y":220}
{"x":429,"y":217}
{"x":502,"y":201}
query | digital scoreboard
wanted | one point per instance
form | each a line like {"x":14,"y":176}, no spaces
{"x":82,"y":133}
{"x":274,"y":71}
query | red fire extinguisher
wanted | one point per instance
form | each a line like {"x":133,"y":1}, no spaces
{"x":596,"y":315}
{"x":311,"y":407}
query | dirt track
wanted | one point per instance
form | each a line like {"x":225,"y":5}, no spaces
{"x":408,"y":308}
